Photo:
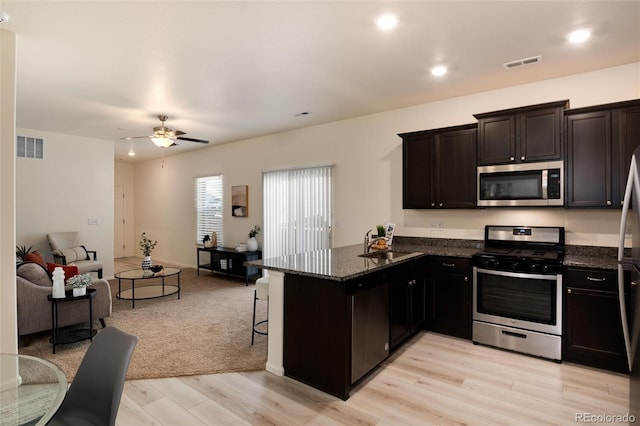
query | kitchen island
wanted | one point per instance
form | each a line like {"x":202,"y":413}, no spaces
{"x":329,"y":313}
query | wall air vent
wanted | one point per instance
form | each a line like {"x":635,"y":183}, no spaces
{"x":521,"y":62}
{"x":28,"y":147}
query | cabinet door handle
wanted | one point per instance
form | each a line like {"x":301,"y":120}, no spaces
{"x":466,"y":279}
{"x":522,"y":158}
{"x":600,"y":280}
{"x":608,"y":202}
{"x":568,"y":291}
{"x":633,"y":283}
{"x":512,"y":158}
{"x":449,"y":265}
{"x":440,"y":205}
{"x":433,"y":204}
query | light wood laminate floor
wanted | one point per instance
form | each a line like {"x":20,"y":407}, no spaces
{"x":433,"y":380}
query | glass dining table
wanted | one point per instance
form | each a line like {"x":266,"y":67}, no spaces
{"x":31,"y":390}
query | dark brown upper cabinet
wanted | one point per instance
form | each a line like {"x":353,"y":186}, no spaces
{"x":600,"y":141}
{"x":519,"y":135}
{"x":439,"y":168}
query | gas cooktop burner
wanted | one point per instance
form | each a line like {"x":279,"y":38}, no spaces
{"x":522,"y":249}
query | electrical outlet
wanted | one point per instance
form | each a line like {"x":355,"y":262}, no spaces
{"x":92,"y":221}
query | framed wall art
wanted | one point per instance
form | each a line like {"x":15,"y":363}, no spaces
{"x":240,"y":200}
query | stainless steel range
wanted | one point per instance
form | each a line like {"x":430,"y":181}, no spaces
{"x":517,"y":290}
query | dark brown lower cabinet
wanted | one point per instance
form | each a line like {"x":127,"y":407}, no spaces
{"x":592,"y":328}
{"x":449,"y":296}
{"x":407,"y":303}
{"x":336,"y":332}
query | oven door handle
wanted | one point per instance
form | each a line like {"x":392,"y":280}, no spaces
{"x":525,"y":276}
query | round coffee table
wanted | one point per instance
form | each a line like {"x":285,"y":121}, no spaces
{"x":148,"y":290}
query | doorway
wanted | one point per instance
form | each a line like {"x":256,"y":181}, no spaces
{"x":119,"y":222}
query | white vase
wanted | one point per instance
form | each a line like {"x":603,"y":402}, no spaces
{"x":58,"y":283}
{"x":82,"y":291}
{"x":252,"y":244}
{"x":146,"y":263}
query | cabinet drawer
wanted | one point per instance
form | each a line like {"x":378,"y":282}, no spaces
{"x":595,"y":279}
{"x":455,"y":265}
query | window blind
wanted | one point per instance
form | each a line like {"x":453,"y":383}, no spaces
{"x":297,"y":208}
{"x":209,"y":207}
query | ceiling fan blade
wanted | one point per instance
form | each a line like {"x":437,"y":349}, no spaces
{"x":135,"y":137}
{"x":192,"y":140}
{"x":179,"y":132}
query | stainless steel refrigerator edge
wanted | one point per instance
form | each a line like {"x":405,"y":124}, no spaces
{"x":629,"y":303}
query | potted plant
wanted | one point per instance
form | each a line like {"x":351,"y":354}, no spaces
{"x":79,"y":284}
{"x":22,"y":252}
{"x":252,"y":243}
{"x":146,"y":245}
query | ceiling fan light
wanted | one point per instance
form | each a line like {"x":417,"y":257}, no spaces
{"x":162,"y":142}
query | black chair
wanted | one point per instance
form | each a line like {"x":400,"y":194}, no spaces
{"x":94,"y":395}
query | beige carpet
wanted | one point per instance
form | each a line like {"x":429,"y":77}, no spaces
{"x":207,"y":331}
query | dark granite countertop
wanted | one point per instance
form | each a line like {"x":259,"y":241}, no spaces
{"x":337,"y":264}
{"x":591,"y":262}
{"x":343,"y":263}
{"x":591,"y":257}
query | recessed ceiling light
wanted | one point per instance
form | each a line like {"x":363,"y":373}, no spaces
{"x":439,"y":70}
{"x":3,"y":17}
{"x":386,"y":22}
{"x":131,"y":153}
{"x":578,"y":36}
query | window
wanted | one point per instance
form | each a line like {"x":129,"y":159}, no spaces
{"x":297,"y":210}
{"x":209,"y":207}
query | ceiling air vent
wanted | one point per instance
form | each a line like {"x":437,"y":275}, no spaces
{"x":28,"y":147}
{"x":521,"y":62}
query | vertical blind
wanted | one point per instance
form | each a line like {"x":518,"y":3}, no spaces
{"x":209,"y":207}
{"x":297,"y":209}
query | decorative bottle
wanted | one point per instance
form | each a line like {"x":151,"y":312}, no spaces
{"x":58,"y":283}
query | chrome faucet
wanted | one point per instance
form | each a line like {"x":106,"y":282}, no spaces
{"x":366,"y":247}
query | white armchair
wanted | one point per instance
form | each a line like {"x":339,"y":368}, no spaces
{"x":66,"y":249}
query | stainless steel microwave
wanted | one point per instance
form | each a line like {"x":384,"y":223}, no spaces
{"x":524,"y":184}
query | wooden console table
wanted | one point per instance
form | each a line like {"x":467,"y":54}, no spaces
{"x":229,"y":261}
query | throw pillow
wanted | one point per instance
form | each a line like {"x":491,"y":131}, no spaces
{"x":73,"y":254}
{"x":69,"y":271}
{"x":34,"y":257}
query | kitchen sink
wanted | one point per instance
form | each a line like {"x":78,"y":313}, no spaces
{"x":385,"y":254}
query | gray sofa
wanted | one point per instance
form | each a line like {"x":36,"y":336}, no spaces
{"x":34,"y":310}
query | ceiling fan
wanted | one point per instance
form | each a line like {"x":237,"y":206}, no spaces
{"x":165,"y":137}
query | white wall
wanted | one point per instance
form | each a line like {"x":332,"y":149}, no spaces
{"x":367,"y":155}
{"x":8,"y":321}
{"x":74,"y":183}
